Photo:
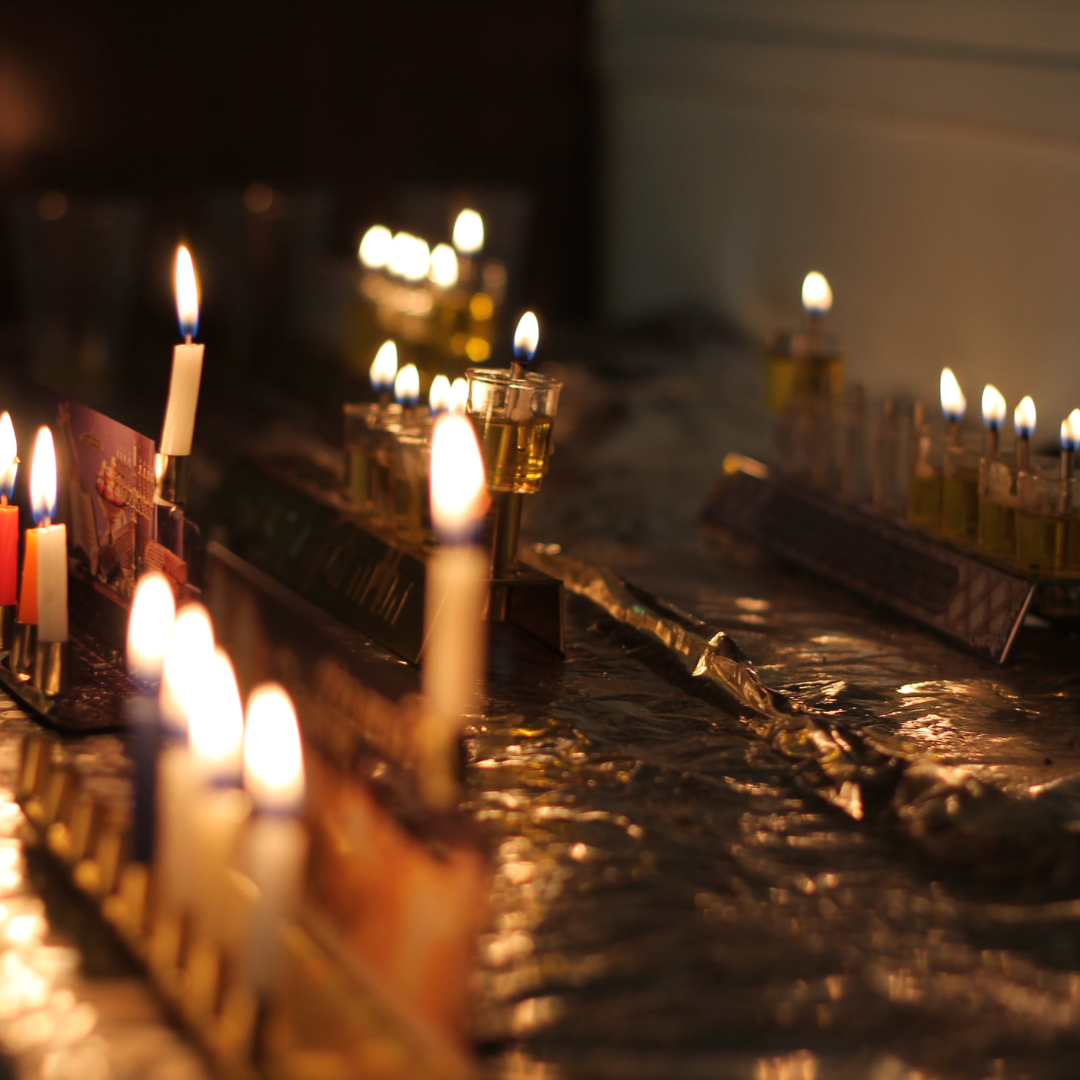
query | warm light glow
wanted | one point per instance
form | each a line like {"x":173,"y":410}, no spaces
{"x":216,"y":724}
{"x":153,"y":612}
{"x":439,"y":394}
{"x":816,"y":294}
{"x":459,"y":497}
{"x":160,"y":463}
{"x":188,"y":655}
{"x":9,"y":456}
{"x":469,"y":232}
{"x":477,"y":350}
{"x":1070,"y":431}
{"x":526,"y":337}
{"x":953,"y":402}
{"x":43,"y":477}
{"x":409,"y":257}
{"x":273,"y":757}
{"x":1024,"y":417}
{"x":375,"y":247}
{"x":187,"y":293}
{"x":459,"y":395}
{"x":993,"y":407}
{"x":444,"y":266}
{"x":407,"y":386}
{"x":384,"y":368}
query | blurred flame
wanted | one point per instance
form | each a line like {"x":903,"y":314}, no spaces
{"x":816,"y":294}
{"x":9,"y":456}
{"x":384,"y":368}
{"x":407,"y":386}
{"x":216,"y":725}
{"x":953,"y":402}
{"x":43,"y":477}
{"x":188,"y":654}
{"x":187,"y":292}
{"x":459,"y":497}
{"x":273,"y":757}
{"x":1024,"y":417}
{"x":439,"y":394}
{"x":160,"y":462}
{"x":444,"y":266}
{"x":459,"y":395}
{"x":375,"y":247}
{"x":993,"y":406}
{"x":409,"y":257}
{"x":526,"y":337}
{"x":469,"y":232}
{"x":1070,"y":431}
{"x":153,"y":612}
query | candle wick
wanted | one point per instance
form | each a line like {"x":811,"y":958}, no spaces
{"x":187,"y":339}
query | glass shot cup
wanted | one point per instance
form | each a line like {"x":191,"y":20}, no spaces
{"x":359,"y":421}
{"x":384,"y":430}
{"x":925,"y":484}
{"x":513,"y":418}
{"x":998,"y":500}
{"x":960,"y":491}
{"x":1048,"y":520}
{"x":412,"y":498}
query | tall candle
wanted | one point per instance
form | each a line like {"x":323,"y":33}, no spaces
{"x":9,"y":515}
{"x":176,"y":435}
{"x":275,"y":847}
{"x":44,"y":588}
{"x":455,"y":592}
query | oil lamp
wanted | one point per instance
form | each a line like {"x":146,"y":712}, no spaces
{"x":1048,"y":521}
{"x":960,"y":472}
{"x":1024,"y":418}
{"x":997,"y":484}
{"x":362,"y":421}
{"x":993,"y":413}
{"x":375,"y":247}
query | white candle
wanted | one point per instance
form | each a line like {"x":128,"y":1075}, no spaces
{"x":52,"y":567}
{"x":187,"y":364}
{"x":275,"y":847}
{"x":457,"y":584}
{"x":153,"y":612}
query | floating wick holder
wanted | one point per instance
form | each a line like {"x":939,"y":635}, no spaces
{"x":172,"y":485}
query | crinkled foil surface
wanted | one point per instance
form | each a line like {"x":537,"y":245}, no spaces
{"x":768,"y":832}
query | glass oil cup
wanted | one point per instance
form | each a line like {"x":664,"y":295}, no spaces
{"x":513,"y":419}
{"x":359,"y":422}
{"x":1048,"y":521}
{"x":383,"y":439}
{"x":960,"y":493}
{"x":997,"y":507}
{"x":412,"y":498}
{"x":925,"y":486}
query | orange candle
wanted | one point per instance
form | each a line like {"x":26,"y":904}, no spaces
{"x":29,"y":595}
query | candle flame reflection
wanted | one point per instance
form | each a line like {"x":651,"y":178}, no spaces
{"x":9,"y":456}
{"x":43,"y":478}
{"x":375,"y":247}
{"x":953,"y":402}
{"x":459,"y":497}
{"x":407,"y":386}
{"x":439,"y":394}
{"x":526,"y":337}
{"x":217,"y":724}
{"x":273,"y":757}
{"x":993,"y":407}
{"x":816,"y":294}
{"x":468,"y":232}
{"x":187,"y":293}
{"x":384,"y":368}
{"x":1070,"y":431}
{"x":153,"y":612}
{"x":1024,"y":417}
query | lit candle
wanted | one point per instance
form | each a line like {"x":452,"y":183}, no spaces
{"x":1070,"y":442}
{"x":275,"y":847}
{"x":189,"y":655}
{"x":459,"y":395}
{"x":153,"y":612}
{"x":383,"y":371}
{"x":526,"y":341}
{"x":409,"y":257}
{"x":1024,"y":424}
{"x":407,"y":389}
{"x":9,"y":515}
{"x":51,"y":543}
{"x":455,"y":594}
{"x":439,"y":395}
{"x":953,"y":404}
{"x":993,"y":413}
{"x":444,"y":266}
{"x":219,"y":809}
{"x":186,"y":366}
{"x":468,"y":232}
{"x":375,"y":247}
{"x":816,"y":297}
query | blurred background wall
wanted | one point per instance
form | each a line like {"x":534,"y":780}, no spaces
{"x":924,"y":154}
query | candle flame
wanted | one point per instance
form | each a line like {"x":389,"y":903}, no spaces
{"x":459,"y":497}
{"x":407,"y":386}
{"x":439,"y":394}
{"x":384,"y":368}
{"x":816,"y":294}
{"x":409,"y":257}
{"x":459,"y":395}
{"x":187,"y":293}
{"x":9,"y":456}
{"x":153,"y":612}
{"x":1024,"y":417}
{"x":188,"y":654}
{"x":273,"y":756}
{"x":43,"y":477}
{"x":1070,"y":431}
{"x":375,"y":247}
{"x":216,"y":725}
{"x":444,"y":266}
{"x":953,"y":402}
{"x":993,"y":407}
{"x":469,"y":232}
{"x":526,"y":337}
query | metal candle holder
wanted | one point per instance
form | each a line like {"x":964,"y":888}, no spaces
{"x":172,"y":484}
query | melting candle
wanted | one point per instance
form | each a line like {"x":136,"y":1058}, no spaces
{"x":1070,"y":442}
{"x":953,"y":403}
{"x":1024,"y":425}
{"x":993,"y":413}
{"x":9,"y":514}
{"x":179,"y":427}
